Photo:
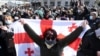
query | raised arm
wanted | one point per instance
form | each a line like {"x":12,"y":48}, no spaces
{"x":70,"y":38}
{"x":31,"y":32}
{"x":73,"y":36}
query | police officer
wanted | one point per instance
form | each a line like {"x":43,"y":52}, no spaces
{"x":90,"y":45}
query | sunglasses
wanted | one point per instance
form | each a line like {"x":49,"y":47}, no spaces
{"x":50,"y":38}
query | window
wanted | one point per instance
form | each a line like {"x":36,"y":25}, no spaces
{"x":66,"y":3}
{"x":52,"y":4}
{"x":45,"y":3}
{"x":86,"y":2}
{"x":59,"y":3}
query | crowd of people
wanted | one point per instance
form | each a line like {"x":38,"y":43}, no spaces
{"x":90,"y":42}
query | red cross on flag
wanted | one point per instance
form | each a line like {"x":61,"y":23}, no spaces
{"x":26,"y":47}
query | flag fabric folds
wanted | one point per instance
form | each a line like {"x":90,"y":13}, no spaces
{"x":27,"y":47}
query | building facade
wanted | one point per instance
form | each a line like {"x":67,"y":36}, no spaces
{"x":63,"y":2}
{"x":51,"y":2}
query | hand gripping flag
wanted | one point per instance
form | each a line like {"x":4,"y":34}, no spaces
{"x":26,"y":47}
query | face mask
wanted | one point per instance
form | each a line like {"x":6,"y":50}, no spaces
{"x":8,"y":22}
{"x":91,"y":17}
{"x":37,"y":17}
{"x":16,"y":18}
{"x":79,"y":11}
{"x":50,"y":42}
{"x":41,"y":9}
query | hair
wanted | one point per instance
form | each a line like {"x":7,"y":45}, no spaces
{"x":7,"y":17}
{"x":52,"y":30}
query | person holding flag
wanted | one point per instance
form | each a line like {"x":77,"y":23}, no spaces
{"x":50,"y":45}
{"x":90,"y":42}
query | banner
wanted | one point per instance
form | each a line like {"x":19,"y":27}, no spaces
{"x":27,"y":47}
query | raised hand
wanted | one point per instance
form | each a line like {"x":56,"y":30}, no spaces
{"x":22,"y":21}
{"x":84,"y":23}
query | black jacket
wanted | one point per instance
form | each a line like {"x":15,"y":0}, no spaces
{"x":90,"y":44}
{"x":80,"y":16}
{"x":57,"y":49}
{"x":5,"y":47}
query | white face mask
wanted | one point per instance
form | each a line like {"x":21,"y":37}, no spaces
{"x":36,"y":17}
{"x":91,"y":17}
{"x":16,"y":18}
{"x":41,"y":9}
{"x":8,"y":22}
{"x":79,"y":11}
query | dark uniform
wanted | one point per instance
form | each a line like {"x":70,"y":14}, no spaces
{"x":57,"y":49}
{"x":90,"y":44}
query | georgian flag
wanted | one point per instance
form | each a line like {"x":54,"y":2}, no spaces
{"x":27,"y":47}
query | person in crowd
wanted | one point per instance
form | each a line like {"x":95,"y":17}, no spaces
{"x":90,"y":42}
{"x":25,"y":14}
{"x":50,"y":45}
{"x":1,"y":13}
{"x":5,"y":37}
{"x":93,"y":19}
{"x":57,"y":17}
{"x":40,"y":12}
{"x":36,"y":16}
{"x":10,"y":41}
{"x":80,"y":12}
{"x":72,"y":3}
{"x":64,"y":15}
{"x":48,"y":15}
{"x":15,"y":13}
{"x":8,"y":20}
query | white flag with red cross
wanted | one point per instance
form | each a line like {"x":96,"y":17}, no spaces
{"x":27,"y":47}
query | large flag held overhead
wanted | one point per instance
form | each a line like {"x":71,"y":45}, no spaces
{"x":26,"y":47}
